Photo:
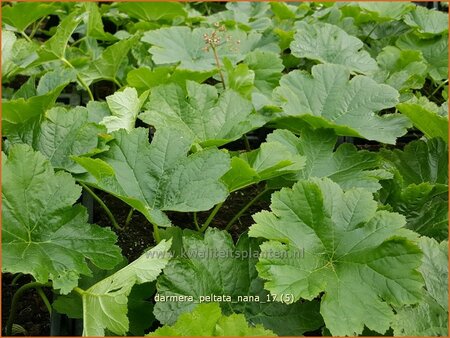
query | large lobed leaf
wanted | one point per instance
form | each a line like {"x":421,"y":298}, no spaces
{"x":105,"y":304}
{"x":43,"y":234}
{"x":327,"y":99}
{"x":208,"y":320}
{"x":330,"y":44}
{"x":353,"y":254}
{"x":430,"y":317}
{"x":426,"y":117}
{"x":200,"y":113}
{"x":158,"y":176}
{"x":346,"y":165}
{"x":420,"y":188}
{"x":214,"y":265}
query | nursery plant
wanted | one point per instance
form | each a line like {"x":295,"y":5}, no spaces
{"x":225,"y":169}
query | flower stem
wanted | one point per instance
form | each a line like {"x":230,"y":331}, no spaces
{"x":219,"y":68}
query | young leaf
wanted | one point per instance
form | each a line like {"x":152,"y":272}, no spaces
{"x":158,"y":176}
{"x":427,"y":22}
{"x":272,"y":159}
{"x":352,"y":252}
{"x":420,"y":188}
{"x":55,"y":47}
{"x":19,"y":111}
{"x":426,"y":117}
{"x":60,"y":134}
{"x":215,"y":266}
{"x":327,"y":99}
{"x":434,"y":51}
{"x":107,"y":66}
{"x":22,"y":14}
{"x":430,"y":317}
{"x":43,"y":234}
{"x":208,"y":320}
{"x":401,"y":69}
{"x":94,"y":24}
{"x":346,"y":166}
{"x":124,"y":108}
{"x":330,"y":44}
{"x":8,"y":40}
{"x":199,"y":112}
{"x":105,"y":304}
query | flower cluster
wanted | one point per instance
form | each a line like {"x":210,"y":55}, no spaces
{"x":214,"y":40}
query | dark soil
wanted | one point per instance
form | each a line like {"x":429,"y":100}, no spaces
{"x":138,"y":236}
{"x":32,"y":315}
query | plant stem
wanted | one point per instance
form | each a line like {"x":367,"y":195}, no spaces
{"x":15,"y":301}
{"x":16,"y":278}
{"x":83,"y":84}
{"x":44,"y":299}
{"x":196,"y":221}
{"x":247,"y":143}
{"x":129,"y":216}
{"x":103,"y":205}
{"x":370,"y":33}
{"x":156,"y":234}
{"x":439,"y":87}
{"x":244,"y":209}
{"x":219,"y":68}
{"x":211,"y":217}
{"x":117,"y":83}
{"x":25,"y":36}
{"x":36,"y":27}
{"x":79,"y":291}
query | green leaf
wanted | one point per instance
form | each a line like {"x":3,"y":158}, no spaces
{"x":43,"y":234}
{"x":187,"y":47}
{"x":22,"y":14}
{"x":426,"y":21}
{"x":158,"y":176}
{"x":238,"y":78}
{"x":153,"y":11}
{"x":54,"y":79}
{"x":430,"y":317}
{"x":327,"y":99}
{"x":107,"y":66}
{"x":421,"y":161}
{"x":124,"y":108}
{"x":330,"y":44}
{"x":145,"y":78}
{"x":215,"y":266}
{"x":425,"y":116}
{"x":94,"y":24}
{"x":208,"y":320}
{"x":346,"y":166}
{"x":60,"y":134}
{"x":434,"y":51}
{"x":267,"y":67}
{"x":401,"y":69}
{"x":19,"y":111}
{"x":8,"y":40}
{"x":353,"y":253}
{"x":55,"y":47}
{"x":272,"y":159}
{"x":420,"y":188}
{"x":105,"y":304}
{"x":200,"y":113}
{"x":387,"y":10}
